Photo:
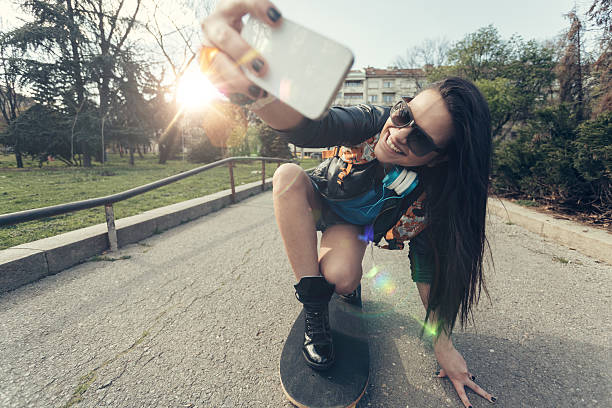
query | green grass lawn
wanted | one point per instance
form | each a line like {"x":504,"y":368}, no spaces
{"x":54,"y":183}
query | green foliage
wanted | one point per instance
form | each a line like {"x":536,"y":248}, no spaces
{"x":514,"y":75}
{"x":502,"y":98}
{"x":272,"y":145}
{"x":480,"y":55}
{"x":593,"y":157}
{"x":38,"y":133}
{"x":205,"y":152}
{"x":554,"y":160}
{"x":593,"y":146}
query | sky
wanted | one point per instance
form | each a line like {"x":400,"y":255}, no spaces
{"x":379,"y":31}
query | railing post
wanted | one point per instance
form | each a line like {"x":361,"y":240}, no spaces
{"x":263,"y":175}
{"x":231,"y":171}
{"x":110,"y":224}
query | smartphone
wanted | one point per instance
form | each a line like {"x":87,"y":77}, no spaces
{"x":305,"y":69}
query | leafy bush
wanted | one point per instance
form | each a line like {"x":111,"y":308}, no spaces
{"x":554,"y":160}
{"x":204,"y":152}
{"x":593,"y":157}
{"x":272,"y":145}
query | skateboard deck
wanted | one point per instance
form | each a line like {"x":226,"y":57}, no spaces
{"x":345,"y":382}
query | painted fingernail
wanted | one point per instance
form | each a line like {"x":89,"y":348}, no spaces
{"x":254,"y":90}
{"x":473,"y":377}
{"x":493,"y":399}
{"x":265,"y":94}
{"x":274,"y":14}
{"x":470,"y":406}
{"x":437,"y":372}
{"x":257,"y":64}
{"x":240,"y":99}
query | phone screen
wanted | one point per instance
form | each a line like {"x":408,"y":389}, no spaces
{"x":305,"y":69}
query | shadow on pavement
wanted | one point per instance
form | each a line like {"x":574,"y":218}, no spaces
{"x":537,"y":372}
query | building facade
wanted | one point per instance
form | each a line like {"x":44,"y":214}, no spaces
{"x":374,"y":86}
{"x":379,"y":86}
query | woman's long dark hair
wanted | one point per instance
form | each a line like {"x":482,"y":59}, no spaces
{"x":457,"y":201}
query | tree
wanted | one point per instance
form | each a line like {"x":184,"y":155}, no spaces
{"x":12,"y":102}
{"x":55,"y":47}
{"x":514,"y":75}
{"x":129,"y":116}
{"x":479,"y":55}
{"x":42,"y":132}
{"x":601,"y":92}
{"x":593,"y":159}
{"x":431,"y":54}
{"x":272,"y":144}
{"x":570,"y":70}
{"x":109,"y":26}
{"x":76,"y":47}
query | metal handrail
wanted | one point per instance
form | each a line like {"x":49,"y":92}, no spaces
{"x":107,"y":201}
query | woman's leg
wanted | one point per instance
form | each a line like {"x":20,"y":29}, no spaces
{"x":296,"y":206}
{"x":341,"y":256}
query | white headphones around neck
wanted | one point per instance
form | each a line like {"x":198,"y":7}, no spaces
{"x":401,"y":180}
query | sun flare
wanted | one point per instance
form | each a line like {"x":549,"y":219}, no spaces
{"x":194,"y":90}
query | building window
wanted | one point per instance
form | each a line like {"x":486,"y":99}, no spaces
{"x":353,"y":83}
{"x":388,"y":98}
{"x":339,"y":96}
{"x":407,"y":84}
{"x":353,"y":96}
{"x":373,"y":98}
{"x":388,"y":84}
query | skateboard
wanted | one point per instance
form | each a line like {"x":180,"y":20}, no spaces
{"x":345,"y":382}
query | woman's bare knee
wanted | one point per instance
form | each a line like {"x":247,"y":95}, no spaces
{"x":289,"y":178}
{"x":345,"y":277}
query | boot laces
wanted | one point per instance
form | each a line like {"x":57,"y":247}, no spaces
{"x":317,"y":322}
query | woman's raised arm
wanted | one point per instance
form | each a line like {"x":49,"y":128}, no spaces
{"x":222,"y":31}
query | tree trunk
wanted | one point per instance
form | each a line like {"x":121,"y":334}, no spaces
{"x":86,"y":159}
{"x":131,"y":148}
{"x":18,"y":159}
{"x":166,"y":146}
{"x":139,"y":152}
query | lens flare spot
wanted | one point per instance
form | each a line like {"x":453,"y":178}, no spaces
{"x":368,"y":234}
{"x":372,"y":272}
{"x":428,"y":328}
{"x":384,"y":284}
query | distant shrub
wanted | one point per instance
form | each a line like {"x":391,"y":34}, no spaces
{"x":593,"y":158}
{"x":204,"y":152}
{"x":272,"y":145}
{"x":554,"y":160}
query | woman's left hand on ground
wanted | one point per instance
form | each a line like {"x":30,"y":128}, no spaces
{"x":455,"y":368}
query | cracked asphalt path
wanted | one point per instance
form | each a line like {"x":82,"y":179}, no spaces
{"x":196,"y":317}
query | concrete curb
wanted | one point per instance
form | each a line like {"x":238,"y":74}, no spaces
{"x":32,"y":261}
{"x":588,"y":240}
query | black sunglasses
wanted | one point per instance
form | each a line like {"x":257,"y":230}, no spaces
{"x":418,"y":141}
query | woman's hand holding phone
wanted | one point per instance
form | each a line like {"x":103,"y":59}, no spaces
{"x":222,"y":31}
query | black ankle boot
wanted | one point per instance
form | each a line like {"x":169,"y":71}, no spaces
{"x":354,"y":298}
{"x":315,"y":293}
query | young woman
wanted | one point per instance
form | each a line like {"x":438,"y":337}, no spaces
{"x":442,"y":134}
